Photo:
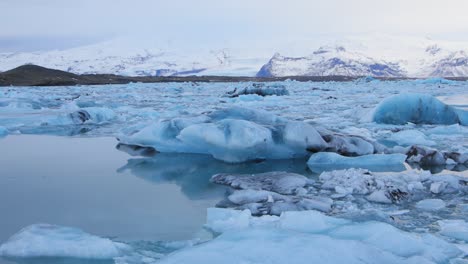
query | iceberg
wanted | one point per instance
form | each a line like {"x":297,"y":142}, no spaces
{"x":45,"y":240}
{"x":418,"y":109}
{"x":296,"y":237}
{"x":232,"y":135}
{"x":324,"y":161}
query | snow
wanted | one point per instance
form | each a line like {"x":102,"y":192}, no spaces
{"x":326,"y":160}
{"x":415,"y":108}
{"x":372,"y":54}
{"x":45,"y":240}
{"x":298,"y":236}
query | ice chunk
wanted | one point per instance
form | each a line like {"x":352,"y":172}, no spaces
{"x":323,"y":161}
{"x":221,"y":220}
{"x":438,"y":187}
{"x":349,"y":145}
{"x":277,"y":181}
{"x":416,"y":108}
{"x":3,"y":131}
{"x":430,"y":204}
{"x":303,"y":136}
{"x":96,"y":115}
{"x":254,"y":196}
{"x":411,"y":137}
{"x":259,"y":89}
{"x":44,"y":240}
{"x":379,"y":196}
{"x":310,"y":222}
{"x":457,"y":229}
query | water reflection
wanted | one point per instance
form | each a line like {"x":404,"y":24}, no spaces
{"x":192,"y":172}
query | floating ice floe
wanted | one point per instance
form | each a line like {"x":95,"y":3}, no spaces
{"x":271,"y":193}
{"x":418,"y":109}
{"x":260,"y":89}
{"x":310,"y":236}
{"x":44,"y":240}
{"x":323,"y":161}
{"x":336,"y":191}
{"x":431,"y":204}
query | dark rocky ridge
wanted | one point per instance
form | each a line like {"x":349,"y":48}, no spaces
{"x":33,"y":75}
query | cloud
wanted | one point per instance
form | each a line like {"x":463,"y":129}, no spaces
{"x":241,"y":20}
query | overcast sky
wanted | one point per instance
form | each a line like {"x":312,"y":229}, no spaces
{"x":43,"y":24}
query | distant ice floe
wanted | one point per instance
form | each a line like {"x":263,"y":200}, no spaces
{"x":45,"y":240}
{"x":295,"y":237}
{"x":260,"y":89}
{"x":418,"y":109}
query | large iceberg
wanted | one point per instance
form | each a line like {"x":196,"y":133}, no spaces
{"x":418,"y":109}
{"x":309,"y":236}
{"x":45,"y":240}
{"x":232,"y":135}
{"x":240,"y":134}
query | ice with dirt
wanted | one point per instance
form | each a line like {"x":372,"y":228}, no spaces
{"x":295,"y":237}
{"x":45,"y":240}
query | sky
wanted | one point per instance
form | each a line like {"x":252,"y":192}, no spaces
{"x":58,"y":24}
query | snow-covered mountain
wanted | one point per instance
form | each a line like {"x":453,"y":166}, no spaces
{"x":130,"y":58}
{"x":376,"y":55}
{"x":328,"y":61}
{"x":453,"y":64}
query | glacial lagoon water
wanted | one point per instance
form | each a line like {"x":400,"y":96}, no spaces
{"x":89,"y":184}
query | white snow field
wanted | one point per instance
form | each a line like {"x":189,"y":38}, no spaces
{"x":361,"y":195}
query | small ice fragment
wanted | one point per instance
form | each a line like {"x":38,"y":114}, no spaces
{"x":430,"y":204}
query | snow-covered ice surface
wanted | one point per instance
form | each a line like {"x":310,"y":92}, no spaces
{"x":192,"y":129}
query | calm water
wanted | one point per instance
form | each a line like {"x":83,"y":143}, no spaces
{"x":89,"y":184}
